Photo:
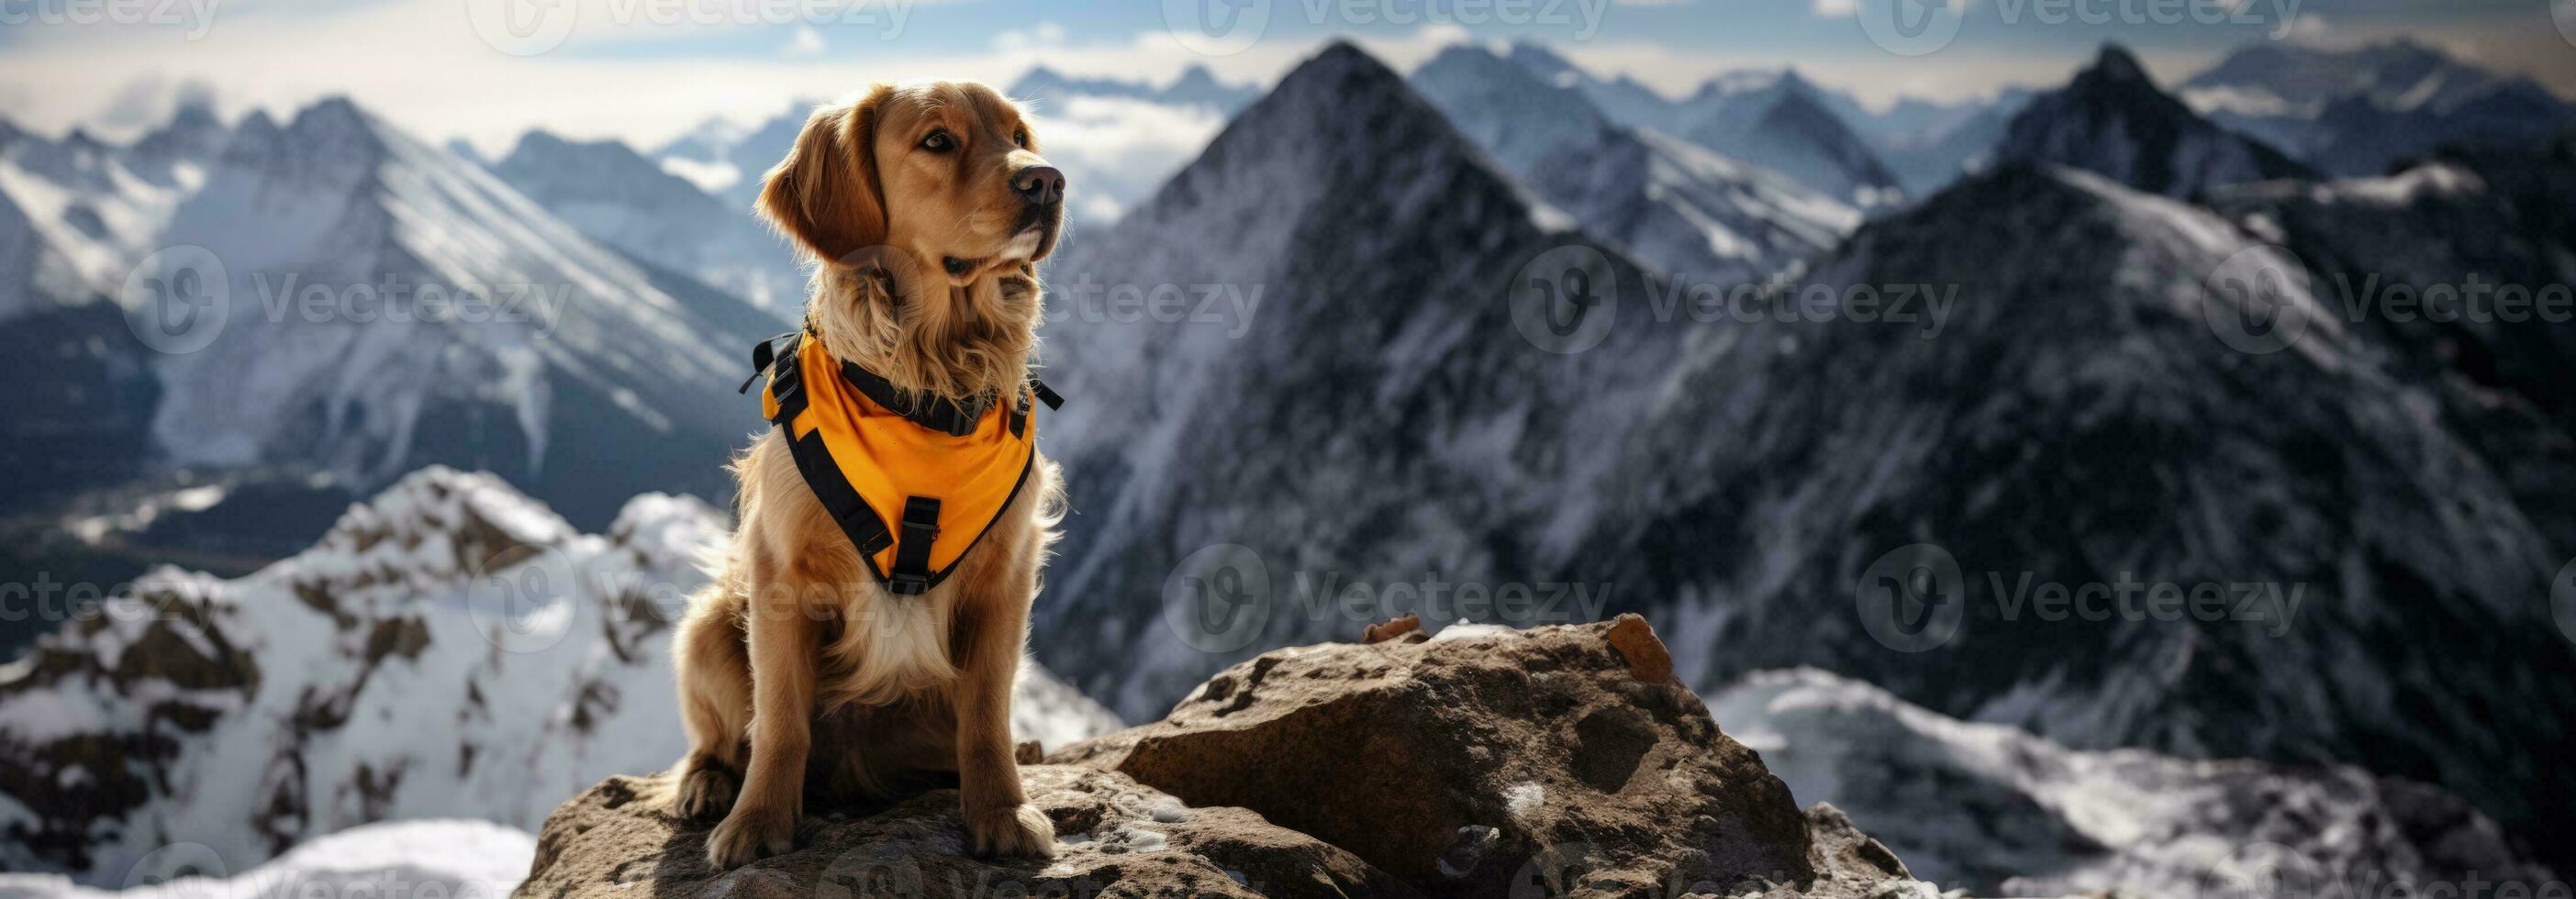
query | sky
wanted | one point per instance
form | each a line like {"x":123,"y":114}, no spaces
{"x":647,"y":70}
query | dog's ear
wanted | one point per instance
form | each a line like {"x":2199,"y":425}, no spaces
{"x":826,"y":194}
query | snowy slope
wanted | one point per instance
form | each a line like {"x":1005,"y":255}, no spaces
{"x":2504,"y":218}
{"x":1325,"y":416}
{"x":2066,"y":410}
{"x":76,"y":214}
{"x":2357,"y":110}
{"x":455,"y":858}
{"x":1677,"y":206}
{"x":449,"y":649}
{"x":575,"y":371}
{"x":2079,"y":421}
{"x":2112,"y":120}
{"x":1786,"y":125}
{"x":1775,"y":120}
{"x":617,"y":197}
{"x":1995,"y":811}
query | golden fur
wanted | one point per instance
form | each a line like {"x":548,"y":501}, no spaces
{"x":799,"y":675}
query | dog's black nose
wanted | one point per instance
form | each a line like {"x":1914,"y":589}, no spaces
{"x":1039,"y":184}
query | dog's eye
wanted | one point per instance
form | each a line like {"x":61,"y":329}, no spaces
{"x":1021,"y":137}
{"x":939,"y":142}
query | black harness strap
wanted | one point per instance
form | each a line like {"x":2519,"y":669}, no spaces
{"x":813,"y":461}
{"x":912,"y":575}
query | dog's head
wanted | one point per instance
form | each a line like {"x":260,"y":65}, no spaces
{"x":939,"y":186}
{"x":947,"y":172}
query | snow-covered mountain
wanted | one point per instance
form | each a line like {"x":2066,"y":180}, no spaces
{"x":77,"y":213}
{"x":2504,"y":218}
{"x":2357,"y":110}
{"x":1314,"y":399}
{"x":726,"y":158}
{"x":1775,"y":120}
{"x":615,"y":196}
{"x":2082,"y":419}
{"x":2059,"y":400}
{"x":1676,"y":206}
{"x":449,"y":649}
{"x":392,"y":306}
{"x":1195,"y":86}
{"x":2112,"y":120}
{"x":1784,"y":123}
{"x":1994,"y":811}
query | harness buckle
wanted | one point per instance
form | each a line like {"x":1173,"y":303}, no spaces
{"x":968,"y":415}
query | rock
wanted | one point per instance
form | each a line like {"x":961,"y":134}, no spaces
{"x":1556,"y":762}
{"x":1404,"y":626}
{"x":1115,"y":837}
{"x":1466,"y":763}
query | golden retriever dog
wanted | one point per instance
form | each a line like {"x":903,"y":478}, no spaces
{"x":801,"y":675}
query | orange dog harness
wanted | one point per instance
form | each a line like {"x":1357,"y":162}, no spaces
{"x":941,"y":470}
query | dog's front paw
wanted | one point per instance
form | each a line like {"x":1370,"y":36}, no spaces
{"x":705,"y":792}
{"x":749,"y":835}
{"x":1010,"y":830}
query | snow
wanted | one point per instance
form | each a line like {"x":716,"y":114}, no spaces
{"x":329,"y":226}
{"x":2015,"y":814}
{"x":456,"y":858}
{"x":509,"y":702}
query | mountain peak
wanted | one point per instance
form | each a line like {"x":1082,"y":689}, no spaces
{"x":1195,"y":76}
{"x":1342,"y":69}
{"x":2114,"y":121}
{"x":1537,"y":57}
{"x":2116,"y":63}
{"x":334,"y":122}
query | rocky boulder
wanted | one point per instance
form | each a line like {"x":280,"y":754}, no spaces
{"x":1562,"y":761}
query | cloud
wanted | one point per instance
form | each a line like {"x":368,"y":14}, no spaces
{"x":805,"y":42}
{"x":1044,"y":34}
{"x":145,"y":103}
{"x":1115,"y":151}
{"x":2307,"y":27}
